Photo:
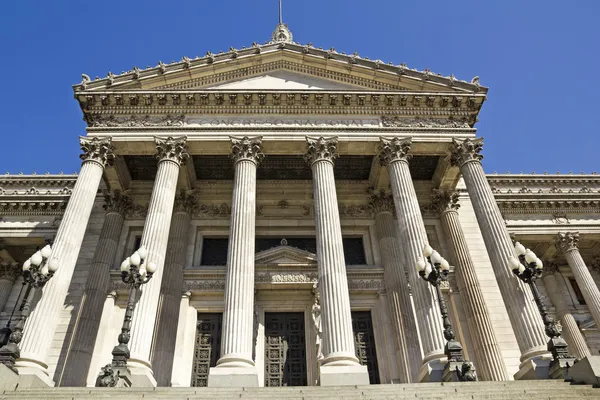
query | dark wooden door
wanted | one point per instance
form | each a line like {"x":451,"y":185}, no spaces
{"x":208,"y":346}
{"x":364,"y":342}
{"x":285,"y":349}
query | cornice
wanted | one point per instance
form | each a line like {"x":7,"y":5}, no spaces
{"x":61,"y":180}
{"x":540,"y":206}
{"x":545,"y":179}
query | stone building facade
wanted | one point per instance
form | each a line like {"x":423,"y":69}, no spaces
{"x":285,"y":193}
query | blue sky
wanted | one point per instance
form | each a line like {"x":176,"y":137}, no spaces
{"x":539,"y":59}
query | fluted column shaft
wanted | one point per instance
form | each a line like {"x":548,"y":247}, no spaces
{"x":568,"y":243}
{"x":41,"y":325}
{"x":338,"y":338}
{"x":488,"y":356}
{"x":172,"y":286}
{"x":171,"y":154}
{"x":570,"y":331}
{"x":408,"y":353}
{"x":236,"y":342}
{"x":94,"y":296}
{"x":411,"y":231}
{"x":524,"y":317}
{"x":8,"y":276}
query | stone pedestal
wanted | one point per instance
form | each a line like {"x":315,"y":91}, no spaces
{"x":8,"y":379}
{"x":339,"y":357}
{"x":411,"y":230}
{"x":524,"y":316}
{"x":236,"y":367}
{"x":97,"y":153}
{"x":586,"y":371}
{"x":488,"y":356}
{"x":96,"y":286}
{"x":171,"y":154}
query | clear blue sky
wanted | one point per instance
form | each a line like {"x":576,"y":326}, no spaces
{"x":538,"y":57}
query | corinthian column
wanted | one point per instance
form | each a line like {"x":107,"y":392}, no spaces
{"x":408,"y":354}
{"x":570,"y":331}
{"x":568,"y":244}
{"x":339,"y":365}
{"x":96,"y":286}
{"x":488,"y":357}
{"x":395,"y":155}
{"x":524,"y":316}
{"x":97,"y":154}
{"x":9,"y":271}
{"x":235,"y":367}
{"x":172,"y":286}
{"x":171,"y":154}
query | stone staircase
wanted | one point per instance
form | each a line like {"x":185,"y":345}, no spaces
{"x":512,"y":390}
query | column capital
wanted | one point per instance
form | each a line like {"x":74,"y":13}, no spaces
{"x":9,"y":270}
{"x":186,"y":201}
{"x":442,"y":201}
{"x":172,"y":149}
{"x":99,"y":150}
{"x":595,"y":265}
{"x":380,"y":201}
{"x":394,"y":149}
{"x":463,"y":151}
{"x":246,"y":148}
{"x":321,"y":149}
{"x":567,"y":241}
{"x":116,"y":201}
{"x":550,"y":268}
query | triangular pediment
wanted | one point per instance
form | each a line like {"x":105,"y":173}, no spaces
{"x":285,"y":255}
{"x":283,"y":80}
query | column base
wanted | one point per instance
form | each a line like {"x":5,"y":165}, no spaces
{"x":142,"y":377}
{"x":8,"y":379}
{"x":32,"y":377}
{"x":586,"y":371}
{"x":343,"y":375}
{"x":537,"y":368}
{"x":233,"y":377}
{"x":432,"y":371}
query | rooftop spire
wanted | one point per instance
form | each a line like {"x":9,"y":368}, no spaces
{"x":282,"y":33}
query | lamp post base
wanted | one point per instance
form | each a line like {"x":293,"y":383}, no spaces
{"x":560,"y":369}
{"x":459,"y":371}
{"x":111,"y":376}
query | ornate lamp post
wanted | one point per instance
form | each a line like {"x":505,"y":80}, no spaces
{"x":435,"y":270}
{"x":37,"y":271}
{"x":528,"y":268}
{"x":134,"y":272}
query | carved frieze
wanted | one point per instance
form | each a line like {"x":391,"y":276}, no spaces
{"x":355,"y":211}
{"x":97,"y":120}
{"x":212,"y":211}
{"x":401,"y":122}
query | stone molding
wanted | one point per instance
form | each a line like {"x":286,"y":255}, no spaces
{"x":34,"y":180}
{"x":380,"y":201}
{"x":117,"y":201}
{"x":50,"y":205}
{"x":246,"y":148}
{"x":186,"y":201}
{"x":172,"y":149}
{"x":97,"y":120}
{"x":394,"y":149}
{"x":321,"y":149}
{"x":10,"y":270}
{"x":548,"y":206}
{"x":398,"y":122}
{"x":99,"y":150}
{"x":568,"y":241}
{"x":463,"y":151}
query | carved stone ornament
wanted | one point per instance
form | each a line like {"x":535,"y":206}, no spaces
{"x":355,"y":211}
{"x":117,"y":201}
{"x":212,"y":210}
{"x":394,"y":149}
{"x":399,"y":122}
{"x":95,"y":120}
{"x":99,"y":150}
{"x":444,"y":201}
{"x":550,"y":267}
{"x":321,"y":149}
{"x":186,"y":201}
{"x":282,"y":34}
{"x":595,"y":265}
{"x":9,"y":270}
{"x":246,"y":148}
{"x":172,"y":149}
{"x":566,"y":242}
{"x":464,"y":151}
{"x":380,"y":201}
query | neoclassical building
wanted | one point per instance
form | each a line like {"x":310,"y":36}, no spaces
{"x":285,"y":193}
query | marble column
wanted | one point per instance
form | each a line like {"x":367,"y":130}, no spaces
{"x":488,"y":356}
{"x":97,"y":154}
{"x":339,"y":365}
{"x":172,"y":286}
{"x":395,"y":154}
{"x":568,"y":244}
{"x":171,"y":154}
{"x":408,"y":353}
{"x":9,"y":271}
{"x":570,"y":331}
{"x":236,"y":367}
{"x":524,"y":316}
{"x":97,"y":284}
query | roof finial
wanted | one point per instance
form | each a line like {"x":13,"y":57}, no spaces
{"x":282,"y":33}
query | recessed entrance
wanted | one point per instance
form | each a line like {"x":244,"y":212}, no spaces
{"x":285,"y":349}
{"x":207,"y":349}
